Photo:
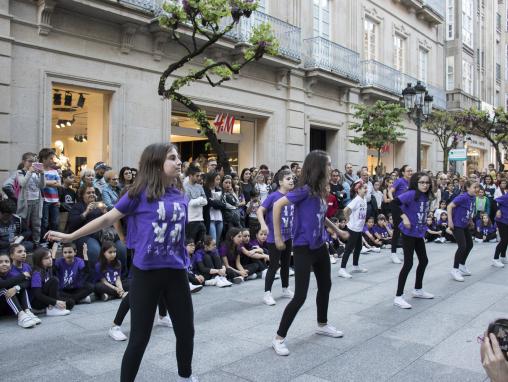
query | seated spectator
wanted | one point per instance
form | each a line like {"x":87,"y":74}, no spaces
{"x":67,"y":196}
{"x":72,"y":272}
{"x":382,"y":231}
{"x":196,"y":281}
{"x":442,"y":225}
{"x":440,"y":210}
{"x":13,"y":228}
{"x":207,"y":262}
{"x":260,"y":240}
{"x":252,"y":259}
{"x":44,"y":286}
{"x":369,"y":234}
{"x":86,"y":210}
{"x":13,"y":294}
{"x":125,"y":177}
{"x":111,"y":191}
{"x":87,"y":178}
{"x":99,"y":182}
{"x":485,"y":230}
{"x":230,"y":254}
{"x":433,"y":234}
{"x":109,"y":284}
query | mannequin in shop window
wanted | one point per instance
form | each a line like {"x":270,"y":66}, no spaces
{"x":63,"y":162}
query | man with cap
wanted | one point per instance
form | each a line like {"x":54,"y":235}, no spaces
{"x":100,"y":168}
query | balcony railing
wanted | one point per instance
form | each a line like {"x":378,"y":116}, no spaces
{"x":437,"y":6}
{"x":321,"y":53}
{"x":151,"y":6}
{"x":439,"y":95}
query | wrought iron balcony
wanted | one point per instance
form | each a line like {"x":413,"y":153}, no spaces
{"x":321,"y":53}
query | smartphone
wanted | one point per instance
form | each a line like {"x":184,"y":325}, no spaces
{"x":500,"y":329}
{"x":38,"y":166}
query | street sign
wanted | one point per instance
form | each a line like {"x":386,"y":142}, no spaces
{"x":457,"y":155}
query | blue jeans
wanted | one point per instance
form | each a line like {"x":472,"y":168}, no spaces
{"x":216,"y":230}
{"x":50,"y":217}
{"x":94,"y":250}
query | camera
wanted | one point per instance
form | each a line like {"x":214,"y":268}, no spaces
{"x":500,"y":329}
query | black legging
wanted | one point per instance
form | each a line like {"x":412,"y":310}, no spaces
{"x":146,"y":287}
{"x":211,"y":262}
{"x":305,"y":259}
{"x":410,"y":245}
{"x":354,"y":243}
{"x":503,"y":244}
{"x":465,"y":242}
{"x":50,"y":289}
{"x":489,"y":237}
{"x":396,"y":213}
{"x":17,"y":303}
{"x":76,"y":294}
{"x":278,"y":259}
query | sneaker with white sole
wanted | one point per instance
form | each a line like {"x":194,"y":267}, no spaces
{"x":104,"y":297}
{"x":55,"y":311}
{"x":464,"y":270}
{"x":223,"y":282}
{"x":395,"y":258}
{"x":287,"y":293}
{"x":268,"y":299}
{"x":252,"y":277}
{"x":401,"y":303}
{"x":280,"y":347}
{"x":211,"y":282}
{"x":456,"y":275}
{"x":116,"y":333}
{"x":263,"y":274}
{"x":333,"y":260}
{"x":291,"y":272}
{"x":365,"y":250}
{"x":238,"y":280}
{"x":86,"y":300}
{"x":420,"y":293}
{"x":195,"y":288}
{"x":25,"y":321}
{"x":344,"y":273}
{"x":375,"y":249}
{"x":438,"y":240}
{"x":164,"y":321}
{"x":36,"y":319}
{"x":496,"y":263}
{"x":329,"y":330}
{"x":504,"y":260}
{"x":478,"y":240}
{"x":358,"y":269}
{"x":190,"y":379}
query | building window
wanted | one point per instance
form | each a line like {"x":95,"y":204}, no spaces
{"x":321,"y":24}
{"x":79,"y":126}
{"x":450,"y":19}
{"x":498,"y":73}
{"x":399,"y":52}
{"x":450,"y":75}
{"x":369,"y":39}
{"x":467,"y":22}
{"x":423,"y":62}
{"x":467,"y":77}
{"x":506,"y":101}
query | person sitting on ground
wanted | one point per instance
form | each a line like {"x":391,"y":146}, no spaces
{"x":252,"y":259}
{"x":433,"y":234}
{"x":382,"y":231}
{"x":207,"y":262}
{"x":230,"y":254}
{"x":44,"y":286}
{"x":111,"y":191}
{"x":13,"y":229}
{"x":369,"y":235}
{"x":13,"y":294}
{"x":108,"y":270}
{"x":440,"y":209}
{"x":72,"y":272}
{"x":442,"y":225}
{"x":196,"y":281}
{"x":260,"y":240}
{"x":486,"y":231}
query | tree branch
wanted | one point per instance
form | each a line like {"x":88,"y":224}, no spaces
{"x":180,"y":42}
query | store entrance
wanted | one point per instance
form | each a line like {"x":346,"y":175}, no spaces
{"x":318,"y":139}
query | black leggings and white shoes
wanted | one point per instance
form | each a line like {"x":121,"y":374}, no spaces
{"x":354,"y":244}
{"x":410,"y":245}
{"x":499,"y":259}
{"x":464,"y":241}
{"x":278,"y":259}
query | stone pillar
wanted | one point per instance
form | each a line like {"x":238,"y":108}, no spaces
{"x":297,"y":137}
{"x":6,"y":160}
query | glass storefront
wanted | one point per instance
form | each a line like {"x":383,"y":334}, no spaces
{"x":79,"y":126}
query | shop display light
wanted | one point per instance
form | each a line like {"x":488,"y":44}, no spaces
{"x":57,"y":98}
{"x":68,"y":99}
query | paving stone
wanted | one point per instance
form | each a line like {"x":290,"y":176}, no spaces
{"x":426,"y":371}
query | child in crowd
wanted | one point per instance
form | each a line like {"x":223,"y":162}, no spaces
{"x":196,"y":281}
{"x":482,"y":204}
{"x":230,"y":253}
{"x":378,"y":195}
{"x":382,"y":232}
{"x":67,"y":196}
{"x":252,"y":259}
{"x":19,"y":265}
{"x":486,"y":231}
{"x":72,"y":272}
{"x":370,"y":239}
{"x":260,"y":240}
{"x":13,"y":294}
{"x":207,"y":262}
{"x":44,"y":286}
{"x":442,"y":225}
{"x":262,"y":187}
{"x":50,"y":208}
{"x":335,"y":246}
{"x":109,"y":284}
{"x":440,"y":210}
{"x":251,"y":211}
{"x":433,"y":232}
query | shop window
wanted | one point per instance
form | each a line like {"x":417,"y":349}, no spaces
{"x":79,"y":126}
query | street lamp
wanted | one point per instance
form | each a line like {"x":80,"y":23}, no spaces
{"x":418,"y":105}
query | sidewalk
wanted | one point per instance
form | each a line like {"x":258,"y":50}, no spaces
{"x":434,"y":341}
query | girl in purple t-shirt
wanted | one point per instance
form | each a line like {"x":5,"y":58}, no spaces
{"x":502,"y":225}
{"x":309,"y":245}
{"x":282,"y":259}
{"x":398,"y":188}
{"x":460,"y":215}
{"x":156,"y":211}
{"x":485,"y":230}
{"x":415,"y":206}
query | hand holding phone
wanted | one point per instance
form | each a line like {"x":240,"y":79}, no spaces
{"x":38,"y":166}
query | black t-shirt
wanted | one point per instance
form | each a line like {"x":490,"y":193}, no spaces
{"x":67,"y":198}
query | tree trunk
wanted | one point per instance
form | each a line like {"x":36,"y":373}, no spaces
{"x":499,"y":160}
{"x":446,"y":152}
{"x":378,"y":170}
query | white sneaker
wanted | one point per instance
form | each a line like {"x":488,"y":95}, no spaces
{"x":195,"y":288}
{"x":478,"y":240}
{"x":280,"y":347}
{"x":254,"y":276}
{"x":329,"y":330}
{"x":395,"y":258}
{"x":86,"y":300}
{"x":268,"y":299}
{"x":365,"y":250}
{"x":401,"y":303}
{"x":375,"y":249}
{"x":263,"y":274}
{"x":25,"y":321}
{"x":36,"y":319}
{"x":164,"y":321}
{"x":54,"y":311}
{"x":238,"y":280}
{"x":358,"y":269}
{"x":464,"y":270}
{"x":291,"y":272}
{"x":333,"y":260}
{"x":420,"y":293}
{"x":344,"y":273}
{"x":456,"y":275}
{"x":211,"y":282}
{"x":190,"y":379}
{"x":387,"y":246}
{"x":223,"y":282}
{"x":116,"y":333}
{"x":493,"y":241}
{"x":438,"y":240}
{"x":504,"y":260}
{"x":287,"y":293}
{"x":498,"y":264}
{"x":443,"y":240}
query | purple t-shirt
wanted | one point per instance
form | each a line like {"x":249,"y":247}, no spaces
{"x":230,"y":255}
{"x":485,"y":229}
{"x":502,"y":203}
{"x":309,"y":218}
{"x":369,"y":230}
{"x":70,"y":275}
{"x":15,"y":271}
{"x":416,"y":211}
{"x":38,"y":281}
{"x":286,"y":218}
{"x":464,"y":210}
{"x":156,"y":230}
{"x":400,"y":186}
{"x":381,"y":231}
{"x":111,"y":274}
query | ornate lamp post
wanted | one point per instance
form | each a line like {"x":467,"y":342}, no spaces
{"x":418,"y":104}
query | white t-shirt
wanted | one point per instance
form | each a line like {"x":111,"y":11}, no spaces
{"x":358,"y":207}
